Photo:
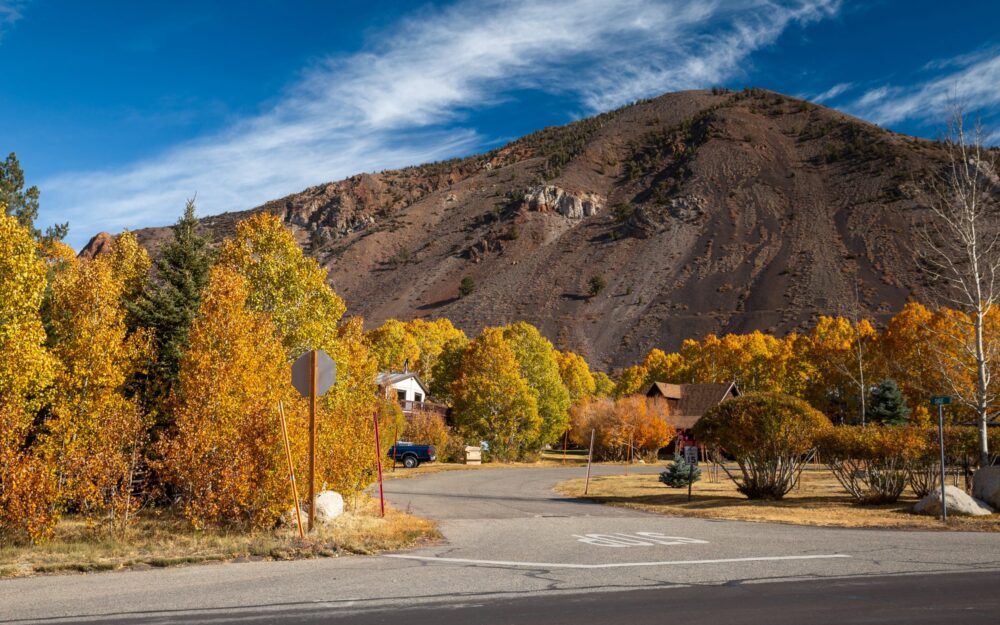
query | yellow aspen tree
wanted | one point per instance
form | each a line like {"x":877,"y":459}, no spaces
{"x":604,"y":386}
{"x":225,"y":456}
{"x":393,"y":346}
{"x":576,"y":375}
{"x":27,"y":484}
{"x":284,"y":283}
{"x":346,"y":448}
{"x":432,"y":337}
{"x":96,"y":433}
{"x":291,"y":289}
{"x":540,"y":368}
{"x":493,"y":402}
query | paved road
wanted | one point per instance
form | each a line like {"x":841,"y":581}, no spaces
{"x":512,"y":543}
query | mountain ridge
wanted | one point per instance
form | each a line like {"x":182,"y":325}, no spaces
{"x":703,"y":211}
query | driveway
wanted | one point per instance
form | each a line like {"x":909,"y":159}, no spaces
{"x":509,"y":538}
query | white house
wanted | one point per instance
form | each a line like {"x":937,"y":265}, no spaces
{"x":405,"y":386}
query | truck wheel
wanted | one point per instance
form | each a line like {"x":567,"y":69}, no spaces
{"x":410,"y":462}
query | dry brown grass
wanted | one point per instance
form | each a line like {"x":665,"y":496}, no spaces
{"x":163,"y":539}
{"x":820,"y":500}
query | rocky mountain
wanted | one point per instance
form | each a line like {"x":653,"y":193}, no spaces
{"x":703,"y":211}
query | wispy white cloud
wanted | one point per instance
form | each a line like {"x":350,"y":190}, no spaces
{"x":10,"y":12}
{"x":831,"y":93}
{"x":971,"y":82}
{"x":403,"y":98}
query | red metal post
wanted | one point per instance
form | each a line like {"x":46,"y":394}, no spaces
{"x":378,"y":463}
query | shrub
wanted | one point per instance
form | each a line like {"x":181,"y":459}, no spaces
{"x":875,"y":463}
{"x":679,"y":474}
{"x":427,"y":428}
{"x":641,"y":421}
{"x":771,"y":435}
{"x":596,"y":285}
{"x":467,"y":287}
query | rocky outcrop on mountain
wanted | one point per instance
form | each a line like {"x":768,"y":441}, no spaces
{"x":703,"y":212}
{"x":550,"y":198}
{"x":98,"y":244}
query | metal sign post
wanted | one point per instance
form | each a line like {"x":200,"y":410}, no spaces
{"x":312,"y":375}
{"x":941,"y":401}
{"x":691,"y":460}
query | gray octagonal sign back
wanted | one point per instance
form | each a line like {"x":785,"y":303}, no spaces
{"x":326,"y":373}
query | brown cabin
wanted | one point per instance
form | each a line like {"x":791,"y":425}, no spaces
{"x":688,"y":403}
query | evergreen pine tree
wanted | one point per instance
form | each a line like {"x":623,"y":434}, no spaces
{"x":887,"y":405}
{"x":170,"y":303}
{"x":680,"y":473}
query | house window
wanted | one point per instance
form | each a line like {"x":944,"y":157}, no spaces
{"x":401,"y":395}
{"x":418,"y":397}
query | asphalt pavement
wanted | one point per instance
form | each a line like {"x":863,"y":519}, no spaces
{"x":515,"y":550}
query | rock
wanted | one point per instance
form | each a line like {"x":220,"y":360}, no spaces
{"x":99,"y":244}
{"x":329,"y":506}
{"x":574,"y":206}
{"x":956,"y":499}
{"x":986,"y":485}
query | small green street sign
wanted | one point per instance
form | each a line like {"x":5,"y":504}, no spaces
{"x":940,"y":400}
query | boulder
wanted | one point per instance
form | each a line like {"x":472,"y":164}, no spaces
{"x":329,"y":506}
{"x":956,"y":499}
{"x":986,"y":485}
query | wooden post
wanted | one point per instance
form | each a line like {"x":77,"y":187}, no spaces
{"x":378,"y":463}
{"x":291,"y":469}
{"x":628,"y":460}
{"x":395,"y":441}
{"x":312,"y":437}
{"x":590,"y":458}
{"x":565,"y":440}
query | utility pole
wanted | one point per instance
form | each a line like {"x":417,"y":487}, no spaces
{"x":590,"y":458}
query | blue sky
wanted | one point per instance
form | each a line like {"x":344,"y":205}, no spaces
{"x":119,"y":111}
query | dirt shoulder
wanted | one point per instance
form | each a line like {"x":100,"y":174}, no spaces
{"x":819,"y":501}
{"x":160,"y":539}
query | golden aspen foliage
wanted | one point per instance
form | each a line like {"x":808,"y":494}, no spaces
{"x":493,"y":402}
{"x":911,"y":349}
{"x":576,"y":376}
{"x":631,"y":381}
{"x":27,"y":484}
{"x":540,"y":369}
{"x":431,"y":338}
{"x":393,"y":346}
{"x":603,"y":385}
{"x":130,"y":264}
{"x":446,"y":368}
{"x":346,"y":442}
{"x":832,"y":353}
{"x":96,"y":432}
{"x":291,"y":289}
{"x":225,"y":457}
{"x":284,"y":283}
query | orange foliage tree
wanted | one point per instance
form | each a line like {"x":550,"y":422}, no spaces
{"x":224,"y":456}
{"x":635,"y":420}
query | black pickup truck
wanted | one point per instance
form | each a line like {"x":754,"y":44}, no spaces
{"x":412,"y":455}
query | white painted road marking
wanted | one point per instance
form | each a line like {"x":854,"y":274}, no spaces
{"x":615,"y":565}
{"x":638,"y":539}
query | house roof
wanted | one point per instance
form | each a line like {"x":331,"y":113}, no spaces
{"x":690,"y":402}
{"x":392,"y":378}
